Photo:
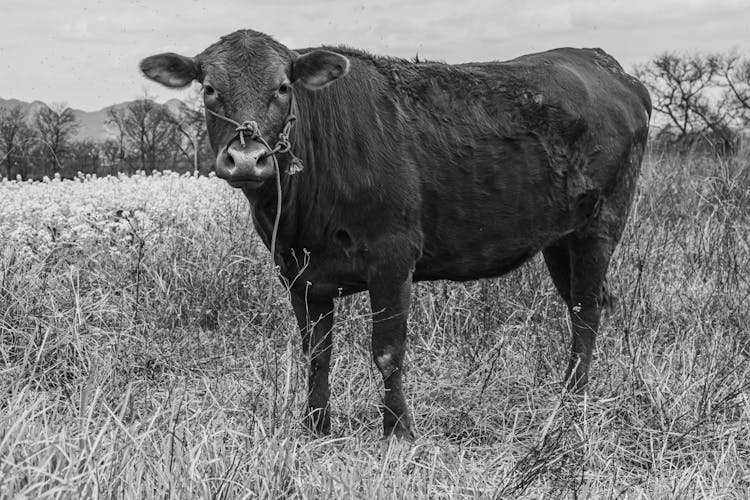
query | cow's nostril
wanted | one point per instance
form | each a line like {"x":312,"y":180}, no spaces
{"x":250,"y":162}
{"x":266,"y":162}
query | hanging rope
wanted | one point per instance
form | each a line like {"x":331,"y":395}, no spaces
{"x":283,"y":145}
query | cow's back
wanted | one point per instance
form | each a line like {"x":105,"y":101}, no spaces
{"x":587,"y":85}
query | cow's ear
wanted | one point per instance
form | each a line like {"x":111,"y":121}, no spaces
{"x":172,"y":70}
{"x":319,"y":68}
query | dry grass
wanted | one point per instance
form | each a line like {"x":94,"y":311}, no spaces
{"x":152,"y":353}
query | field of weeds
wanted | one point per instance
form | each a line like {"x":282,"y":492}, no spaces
{"x":147,"y":350}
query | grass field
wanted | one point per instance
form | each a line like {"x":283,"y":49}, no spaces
{"x":147,"y":350}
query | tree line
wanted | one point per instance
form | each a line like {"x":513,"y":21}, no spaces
{"x":144,"y":135}
{"x":699,"y":100}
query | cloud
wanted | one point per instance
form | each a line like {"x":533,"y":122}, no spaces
{"x":87,"y":53}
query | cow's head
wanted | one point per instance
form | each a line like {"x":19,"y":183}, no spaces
{"x":246,"y":76}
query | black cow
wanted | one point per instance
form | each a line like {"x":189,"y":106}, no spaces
{"x":420,"y":171}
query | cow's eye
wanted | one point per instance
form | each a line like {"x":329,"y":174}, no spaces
{"x":208,"y":90}
{"x":284,"y":88}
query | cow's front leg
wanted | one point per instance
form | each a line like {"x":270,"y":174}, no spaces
{"x":315,"y":319}
{"x":390,"y":296}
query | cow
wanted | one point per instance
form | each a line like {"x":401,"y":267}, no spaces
{"x":369,"y":173}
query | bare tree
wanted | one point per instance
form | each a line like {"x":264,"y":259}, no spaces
{"x":191,"y":137}
{"x":680,"y":88}
{"x":111,"y":154}
{"x":15,"y":135}
{"x":735,"y":79}
{"x":56,"y":126}
{"x":85,"y":156}
{"x":116,"y":149}
{"x":148,"y":129}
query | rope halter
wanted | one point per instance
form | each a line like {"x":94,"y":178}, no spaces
{"x":283,"y":144}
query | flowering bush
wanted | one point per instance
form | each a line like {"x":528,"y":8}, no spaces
{"x":38,"y":217}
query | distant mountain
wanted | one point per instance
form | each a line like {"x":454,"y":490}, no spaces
{"x":28,"y":107}
{"x":91,"y":123}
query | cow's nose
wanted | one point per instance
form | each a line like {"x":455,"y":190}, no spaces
{"x":248,"y":163}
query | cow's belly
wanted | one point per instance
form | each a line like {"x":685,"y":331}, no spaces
{"x":489,"y":235}
{"x":470,"y":267}
{"x":459,"y":256}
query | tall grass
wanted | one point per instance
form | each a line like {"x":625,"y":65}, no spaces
{"x":146,"y":350}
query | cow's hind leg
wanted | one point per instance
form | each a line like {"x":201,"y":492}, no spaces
{"x":557,"y":258}
{"x":315,"y":319}
{"x":589,"y":260}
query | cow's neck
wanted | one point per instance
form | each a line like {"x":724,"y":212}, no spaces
{"x":338,"y":137}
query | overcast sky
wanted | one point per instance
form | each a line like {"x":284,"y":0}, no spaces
{"x":86,"y":52}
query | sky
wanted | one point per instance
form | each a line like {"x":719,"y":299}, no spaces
{"x":85,"y":53}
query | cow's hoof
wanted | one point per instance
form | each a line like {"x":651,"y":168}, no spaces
{"x":318,"y":422}
{"x":404,"y":434}
{"x":576,"y":379}
{"x":401,"y":431}
{"x":576,"y":384}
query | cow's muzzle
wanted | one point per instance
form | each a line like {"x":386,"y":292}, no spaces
{"x":248,"y":165}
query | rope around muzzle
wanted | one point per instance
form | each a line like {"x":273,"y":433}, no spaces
{"x":283,"y":145}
